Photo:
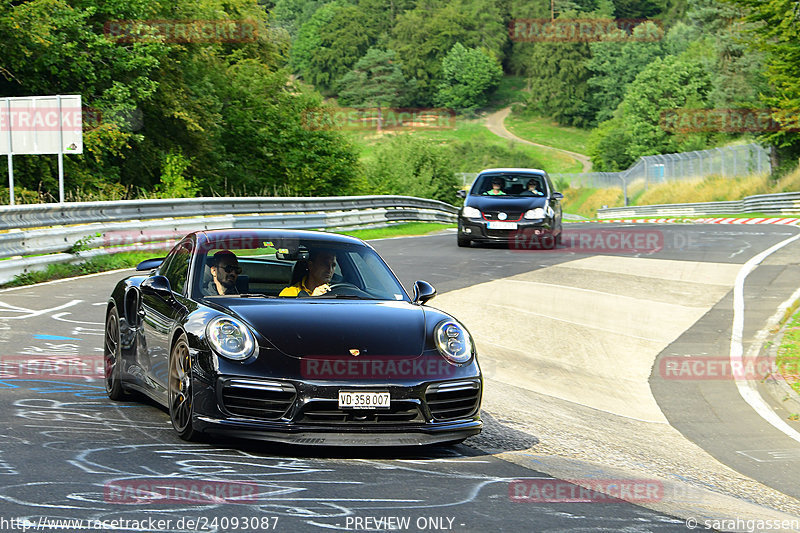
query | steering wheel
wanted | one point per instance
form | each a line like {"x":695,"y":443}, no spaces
{"x":343,"y":285}
{"x":345,"y":288}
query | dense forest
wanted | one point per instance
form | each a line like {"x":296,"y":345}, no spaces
{"x":185,"y":112}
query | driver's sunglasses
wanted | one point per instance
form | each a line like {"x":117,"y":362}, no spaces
{"x":232,"y":268}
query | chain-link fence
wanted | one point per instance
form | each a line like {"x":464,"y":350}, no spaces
{"x":729,"y":162}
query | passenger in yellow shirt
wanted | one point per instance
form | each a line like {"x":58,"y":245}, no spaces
{"x":321,"y":265}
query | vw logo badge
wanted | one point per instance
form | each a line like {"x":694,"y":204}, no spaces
{"x":502,"y":216}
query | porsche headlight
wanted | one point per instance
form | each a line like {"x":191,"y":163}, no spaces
{"x":534,"y":213}
{"x":230,"y":338}
{"x":453,"y":342}
{"x":470,"y":212}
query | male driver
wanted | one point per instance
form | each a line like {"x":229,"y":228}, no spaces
{"x":321,"y":265}
{"x":225,"y":271}
{"x":532,"y":190}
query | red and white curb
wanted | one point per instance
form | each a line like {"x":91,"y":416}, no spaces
{"x":783,"y":221}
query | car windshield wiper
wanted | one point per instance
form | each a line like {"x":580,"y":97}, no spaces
{"x":256,"y":295}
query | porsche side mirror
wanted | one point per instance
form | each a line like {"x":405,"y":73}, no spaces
{"x":558,"y":196}
{"x":157,"y":285}
{"x":423,"y":291}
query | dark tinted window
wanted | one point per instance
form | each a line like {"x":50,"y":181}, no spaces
{"x":176,"y":266}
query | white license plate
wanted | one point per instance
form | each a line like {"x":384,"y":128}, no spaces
{"x":363,"y":400}
{"x":501,"y":225}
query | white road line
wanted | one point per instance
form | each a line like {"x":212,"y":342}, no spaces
{"x":746,"y":389}
{"x":62,"y":280}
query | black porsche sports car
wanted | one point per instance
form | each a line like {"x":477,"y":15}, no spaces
{"x":511,"y":204}
{"x":206,"y":333}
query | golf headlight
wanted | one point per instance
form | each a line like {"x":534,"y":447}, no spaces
{"x":453,"y":342}
{"x":230,"y":338}
{"x":470,"y":212}
{"x":534,"y":213}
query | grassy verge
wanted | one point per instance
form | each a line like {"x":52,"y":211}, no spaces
{"x":788,"y":360}
{"x":709,"y":189}
{"x":399,"y":230}
{"x":512,"y":90}
{"x":92,"y":265}
{"x":548,"y":132}
{"x":118,"y":261}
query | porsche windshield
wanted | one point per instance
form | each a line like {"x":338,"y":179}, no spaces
{"x":270,"y":268}
{"x":507,"y":184}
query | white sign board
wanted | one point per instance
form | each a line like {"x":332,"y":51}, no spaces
{"x":41,"y":125}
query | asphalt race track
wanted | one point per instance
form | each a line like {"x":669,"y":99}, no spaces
{"x":575,"y":345}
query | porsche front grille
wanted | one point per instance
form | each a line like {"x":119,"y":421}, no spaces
{"x":252,"y":398}
{"x":448,"y":401}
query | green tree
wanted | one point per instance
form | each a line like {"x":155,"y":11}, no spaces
{"x":411,"y":166}
{"x":376,"y":80}
{"x":221,"y":112}
{"x":608,"y":146}
{"x":468,"y":75}
{"x":292,"y":14}
{"x":308,"y":41}
{"x":424,"y":35}
{"x":615,"y":61}
{"x":560,"y":83}
{"x":637,"y":129}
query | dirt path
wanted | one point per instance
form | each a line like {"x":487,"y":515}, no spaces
{"x":495,"y":124}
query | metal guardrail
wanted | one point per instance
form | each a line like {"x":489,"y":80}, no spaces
{"x":40,"y":215}
{"x":782,"y":203}
{"x":99,"y":228}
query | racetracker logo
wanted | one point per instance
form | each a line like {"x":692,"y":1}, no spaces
{"x":721,"y":368}
{"x":380,"y":119}
{"x":728,"y":120}
{"x":169,"y":490}
{"x":595,"y":241}
{"x":383,"y":368}
{"x":583,"y":30}
{"x":181,"y":31}
{"x":585,"y":490}
{"x":52,"y":367}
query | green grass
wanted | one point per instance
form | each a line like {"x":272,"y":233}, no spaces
{"x":788,"y":360}
{"x":548,"y":132}
{"x":398,"y":230}
{"x":92,"y":265}
{"x":474,"y":132}
{"x":512,"y":90}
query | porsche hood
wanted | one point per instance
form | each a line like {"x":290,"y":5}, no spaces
{"x":334,"y":328}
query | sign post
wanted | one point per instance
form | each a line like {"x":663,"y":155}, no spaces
{"x":41,"y":125}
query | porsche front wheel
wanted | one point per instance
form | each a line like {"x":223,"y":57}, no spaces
{"x":180,"y":390}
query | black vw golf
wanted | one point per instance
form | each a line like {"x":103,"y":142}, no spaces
{"x":229,"y":334}
{"x":506,"y":204}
